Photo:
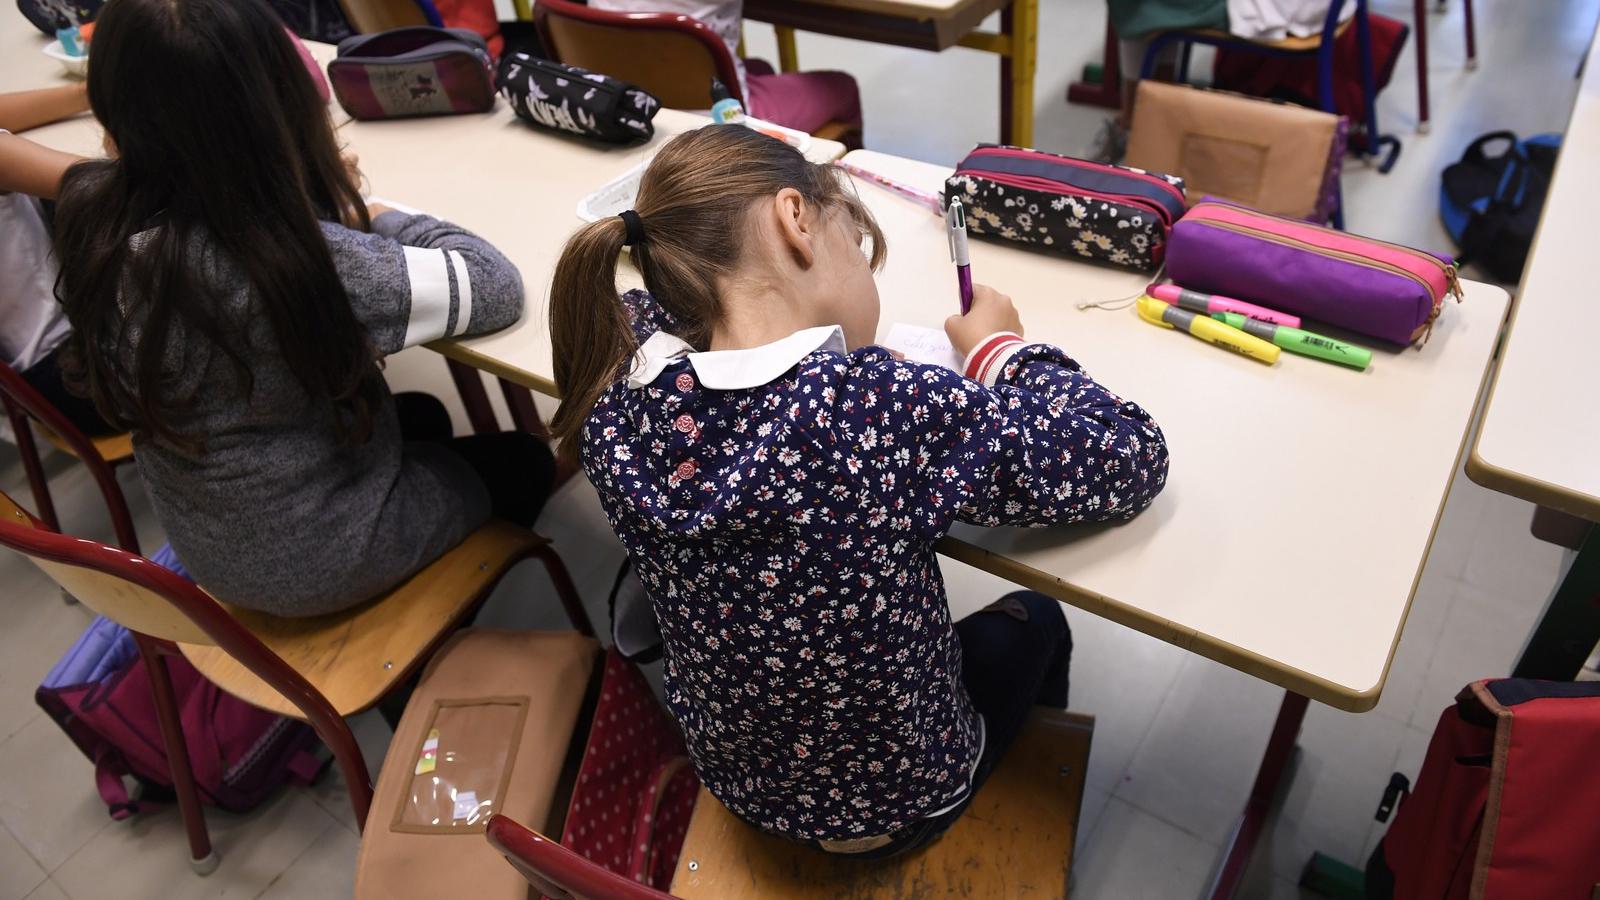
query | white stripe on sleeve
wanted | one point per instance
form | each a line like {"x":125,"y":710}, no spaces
{"x":430,"y":295}
{"x":463,"y":292}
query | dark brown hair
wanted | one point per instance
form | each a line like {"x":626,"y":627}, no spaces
{"x":221,"y":141}
{"x":694,"y":203}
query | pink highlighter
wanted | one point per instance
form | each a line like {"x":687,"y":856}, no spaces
{"x":1206,"y":304}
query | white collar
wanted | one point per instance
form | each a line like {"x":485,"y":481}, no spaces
{"x":731,"y":370}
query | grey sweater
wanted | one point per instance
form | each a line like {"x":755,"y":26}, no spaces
{"x":273,"y":513}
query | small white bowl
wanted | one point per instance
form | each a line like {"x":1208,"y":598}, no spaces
{"x":75,"y":65}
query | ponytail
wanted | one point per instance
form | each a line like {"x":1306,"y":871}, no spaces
{"x":590,"y":335}
{"x":691,"y":212}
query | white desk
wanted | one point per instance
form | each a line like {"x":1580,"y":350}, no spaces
{"x":1540,"y":437}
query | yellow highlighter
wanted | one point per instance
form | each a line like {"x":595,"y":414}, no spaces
{"x":1207,"y":329}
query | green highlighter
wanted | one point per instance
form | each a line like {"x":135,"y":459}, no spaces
{"x":1295,"y":340}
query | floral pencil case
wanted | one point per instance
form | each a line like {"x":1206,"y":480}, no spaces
{"x":1071,"y":206}
{"x":567,"y":98}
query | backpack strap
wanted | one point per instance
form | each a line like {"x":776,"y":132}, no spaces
{"x":109,"y":767}
{"x":1474,"y":153}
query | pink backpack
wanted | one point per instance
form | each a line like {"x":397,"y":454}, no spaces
{"x":99,"y":693}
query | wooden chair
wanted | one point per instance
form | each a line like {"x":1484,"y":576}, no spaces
{"x":24,"y":405}
{"x":1321,"y":45}
{"x":1015,"y":840}
{"x":672,"y":56}
{"x":320,"y":669}
{"x":370,"y":16}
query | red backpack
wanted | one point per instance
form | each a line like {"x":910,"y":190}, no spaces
{"x":1507,"y":806}
{"x":99,"y":693}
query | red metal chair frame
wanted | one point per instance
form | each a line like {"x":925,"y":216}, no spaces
{"x":23,"y":402}
{"x":559,"y":873}
{"x":727,"y":69}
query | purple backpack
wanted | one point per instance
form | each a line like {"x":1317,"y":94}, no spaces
{"x":99,"y":693}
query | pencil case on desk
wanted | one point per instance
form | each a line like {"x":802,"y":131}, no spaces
{"x":414,"y":71}
{"x":1070,"y":206}
{"x":1367,"y":286}
{"x":555,"y":95}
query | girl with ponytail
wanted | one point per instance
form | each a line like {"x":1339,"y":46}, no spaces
{"x":780,"y":483}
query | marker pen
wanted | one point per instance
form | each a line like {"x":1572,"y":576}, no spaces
{"x":1157,"y":312}
{"x":1206,"y":304}
{"x":1304,"y":343}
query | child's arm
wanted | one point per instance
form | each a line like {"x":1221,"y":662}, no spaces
{"x":29,"y":168}
{"x":413,"y":279}
{"x":21,"y":110}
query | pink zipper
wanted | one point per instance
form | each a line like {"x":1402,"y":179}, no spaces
{"x":1035,"y":183}
{"x":1438,"y":276}
{"x":1079,"y":164}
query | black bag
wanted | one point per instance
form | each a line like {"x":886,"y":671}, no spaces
{"x":1491,"y":204}
{"x":567,"y":98}
{"x":50,"y":15}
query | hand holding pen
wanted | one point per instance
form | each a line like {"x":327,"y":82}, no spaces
{"x":991,"y":312}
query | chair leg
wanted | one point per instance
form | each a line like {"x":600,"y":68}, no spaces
{"x":1472,"y":35}
{"x":22,"y":429}
{"x":1420,"y":13}
{"x":202,"y":858}
{"x":565,"y":589}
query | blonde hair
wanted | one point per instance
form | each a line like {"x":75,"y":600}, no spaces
{"x":693,"y":204}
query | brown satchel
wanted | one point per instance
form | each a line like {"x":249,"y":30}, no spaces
{"x":485,"y":732}
{"x":1274,"y":157}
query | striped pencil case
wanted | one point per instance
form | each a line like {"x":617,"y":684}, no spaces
{"x":1070,"y":206}
{"x":1368,"y":286}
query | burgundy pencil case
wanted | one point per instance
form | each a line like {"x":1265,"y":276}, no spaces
{"x":1111,"y":213}
{"x":413,"y":71}
{"x":1361,"y":284}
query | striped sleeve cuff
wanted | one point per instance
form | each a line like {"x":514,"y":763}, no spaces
{"x":441,"y":305}
{"x":990,"y":356}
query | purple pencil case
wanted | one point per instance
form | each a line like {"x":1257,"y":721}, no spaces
{"x":414,"y":71}
{"x":1363,"y":285}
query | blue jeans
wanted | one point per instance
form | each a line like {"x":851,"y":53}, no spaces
{"x":1015,"y":653}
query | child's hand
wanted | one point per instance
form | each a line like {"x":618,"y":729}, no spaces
{"x":991,"y":312}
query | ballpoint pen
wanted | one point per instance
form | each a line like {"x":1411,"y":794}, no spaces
{"x":915,"y":195}
{"x":955,"y":217}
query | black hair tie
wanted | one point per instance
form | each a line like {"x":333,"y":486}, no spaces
{"x":635,"y":228}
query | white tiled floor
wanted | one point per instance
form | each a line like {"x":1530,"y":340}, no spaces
{"x":1178,"y":737}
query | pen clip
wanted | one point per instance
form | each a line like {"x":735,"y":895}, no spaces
{"x":955,"y":218}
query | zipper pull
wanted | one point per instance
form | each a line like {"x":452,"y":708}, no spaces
{"x":1455,"y":282}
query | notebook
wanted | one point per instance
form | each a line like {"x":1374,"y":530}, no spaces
{"x":924,"y":345}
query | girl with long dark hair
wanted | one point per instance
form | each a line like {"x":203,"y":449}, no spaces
{"x":232,"y":296}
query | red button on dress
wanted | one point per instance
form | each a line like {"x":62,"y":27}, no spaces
{"x":687,"y":469}
{"x":684,"y":423}
{"x":685,"y":382}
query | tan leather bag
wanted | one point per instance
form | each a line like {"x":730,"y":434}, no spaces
{"x":486,"y":732}
{"x":1273,"y":157}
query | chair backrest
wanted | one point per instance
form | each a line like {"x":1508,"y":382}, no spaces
{"x":371,"y":16}
{"x":149,"y":599}
{"x":22,"y":402}
{"x":672,"y":56}
{"x":559,"y":873}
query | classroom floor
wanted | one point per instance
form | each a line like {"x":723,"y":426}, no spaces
{"x":1178,"y":737}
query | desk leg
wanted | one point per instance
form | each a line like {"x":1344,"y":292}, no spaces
{"x":1269,"y":778}
{"x":1019,"y":22}
{"x":1570,"y":627}
{"x":788,"y":54}
{"x":469,"y":384}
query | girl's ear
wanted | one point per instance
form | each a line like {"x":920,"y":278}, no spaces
{"x":797,"y":224}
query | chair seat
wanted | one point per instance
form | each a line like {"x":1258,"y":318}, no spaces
{"x":1307,"y":44}
{"x":113,"y":448}
{"x":354,"y":657}
{"x":1015,"y":840}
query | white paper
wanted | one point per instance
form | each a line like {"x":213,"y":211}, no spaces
{"x":924,"y":345}
{"x":613,"y":197}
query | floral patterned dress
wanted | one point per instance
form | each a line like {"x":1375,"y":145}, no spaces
{"x":781,"y":506}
